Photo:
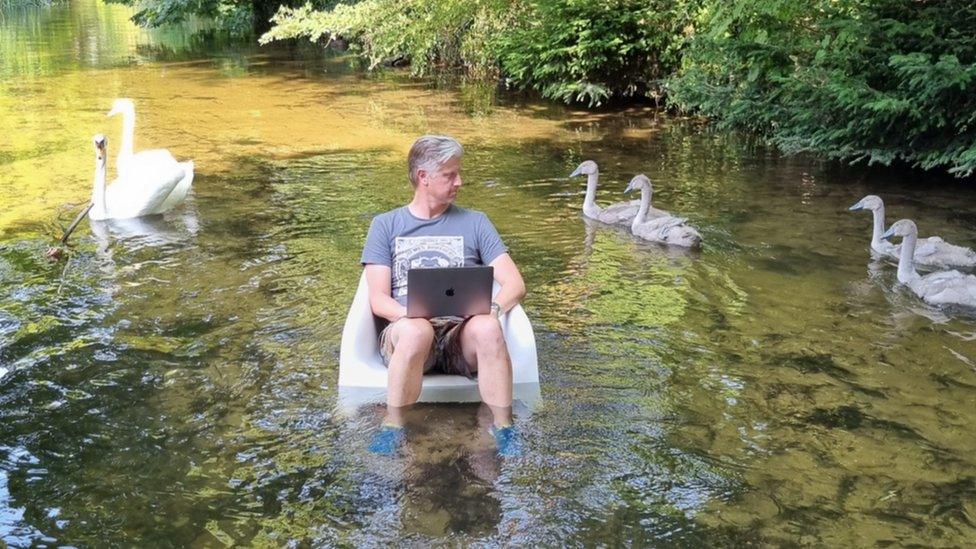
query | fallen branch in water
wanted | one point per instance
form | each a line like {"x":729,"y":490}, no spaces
{"x":54,"y":252}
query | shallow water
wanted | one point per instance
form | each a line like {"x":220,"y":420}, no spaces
{"x":173,"y":382}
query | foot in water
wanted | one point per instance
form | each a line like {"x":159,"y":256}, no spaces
{"x":387,"y":440}
{"x":508,"y":441}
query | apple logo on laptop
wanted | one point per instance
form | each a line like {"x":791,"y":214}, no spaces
{"x":450,"y":292}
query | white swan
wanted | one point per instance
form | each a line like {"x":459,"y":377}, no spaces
{"x":617,"y":214}
{"x":931,"y":252}
{"x":127,"y":198}
{"x":941,"y":288}
{"x":666,"y":229}
{"x":145,"y":164}
{"x":182,"y":188}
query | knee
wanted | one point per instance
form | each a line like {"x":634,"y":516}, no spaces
{"x":415,"y":334}
{"x":486,"y":330}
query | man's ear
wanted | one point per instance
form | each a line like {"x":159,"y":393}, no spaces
{"x":422,"y":177}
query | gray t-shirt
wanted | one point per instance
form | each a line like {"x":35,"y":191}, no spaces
{"x":456,"y":238}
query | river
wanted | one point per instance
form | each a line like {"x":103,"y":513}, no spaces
{"x":173,"y":382}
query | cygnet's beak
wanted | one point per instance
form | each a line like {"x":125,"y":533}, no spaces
{"x":889,"y":233}
{"x":577,"y":171}
{"x":112,"y":112}
{"x":630,"y":187}
{"x":856,"y":207}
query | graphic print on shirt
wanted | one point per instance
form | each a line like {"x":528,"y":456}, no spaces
{"x":424,"y":252}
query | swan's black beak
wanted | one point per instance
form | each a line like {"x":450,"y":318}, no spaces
{"x":855,"y":207}
{"x":577,"y":171}
{"x":630,"y":188}
{"x":889,"y":233}
{"x":101,"y":143}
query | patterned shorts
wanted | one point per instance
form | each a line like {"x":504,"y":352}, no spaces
{"x":445,"y":356}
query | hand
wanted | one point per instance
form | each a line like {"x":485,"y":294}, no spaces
{"x":401,"y":314}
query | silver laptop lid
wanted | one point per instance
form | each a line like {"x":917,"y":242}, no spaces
{"x":452,"y":291}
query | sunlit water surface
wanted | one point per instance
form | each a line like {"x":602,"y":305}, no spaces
{"x":174,"y":381}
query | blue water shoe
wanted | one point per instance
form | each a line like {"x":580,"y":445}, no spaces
{"x":387,"y":440}
{"x":508,"y":440}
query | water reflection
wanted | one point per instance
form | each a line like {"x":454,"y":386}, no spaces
{"x":445,"y":480}
{"x":152,"y":231}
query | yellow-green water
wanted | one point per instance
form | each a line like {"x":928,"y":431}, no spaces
{"x":173,"y":383}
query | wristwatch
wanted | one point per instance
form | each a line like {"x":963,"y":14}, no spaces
{"x":496,"y":309}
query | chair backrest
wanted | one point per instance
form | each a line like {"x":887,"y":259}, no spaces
{"x":360,"y":340}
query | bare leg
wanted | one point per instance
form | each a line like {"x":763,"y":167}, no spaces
{"x":412,"y":338}
{"x":481,"y":450}
{"x":395,"y":416}
{"x":483,"y":345}
{"x":502,"y":415}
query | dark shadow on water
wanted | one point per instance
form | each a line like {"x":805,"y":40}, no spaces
{"x":791,"y":260}
{"x":813,"y":364}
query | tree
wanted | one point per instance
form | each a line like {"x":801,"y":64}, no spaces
{"x":874,"y":80}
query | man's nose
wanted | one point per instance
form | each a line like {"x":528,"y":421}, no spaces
{"x":457,"y":182}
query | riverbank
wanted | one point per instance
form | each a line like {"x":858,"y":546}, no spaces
{"x":877,"y":83}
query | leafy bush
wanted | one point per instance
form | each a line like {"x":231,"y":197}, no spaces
{"x":591,"y":50}
{"x":875,"y":80}
{"x":234,"y":16}
{"x":427,"y":34}
{"x":571,"y":50}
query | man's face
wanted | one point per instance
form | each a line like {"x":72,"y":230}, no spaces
{"x":443,"y":183}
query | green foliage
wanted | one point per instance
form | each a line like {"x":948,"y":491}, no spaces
{"x":233,"y":16}
{"x":874,"y":80}
{"x":571,"y":50}
{"x":427,"y":34}
{"x":591,"y":50}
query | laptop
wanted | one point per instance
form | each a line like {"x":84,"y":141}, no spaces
{"x":451,"y":291}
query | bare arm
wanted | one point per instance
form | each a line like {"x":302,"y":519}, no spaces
{"x":512,"y":286}
{"x":378,"y":279}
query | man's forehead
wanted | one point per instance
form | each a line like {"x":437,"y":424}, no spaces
{"x":452,"y":164}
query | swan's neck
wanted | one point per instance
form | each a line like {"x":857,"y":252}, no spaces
{"x":879,"y":227}
{"x":98,"y":189}
{"x":590,"y":209}
{"x":906,"y":263}
{"x":645,"y":204}
{"x":128,"y":134}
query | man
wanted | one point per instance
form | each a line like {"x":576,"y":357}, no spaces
{"x":431,"y":231}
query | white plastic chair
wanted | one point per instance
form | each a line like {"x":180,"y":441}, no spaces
{"x":362,"y":374}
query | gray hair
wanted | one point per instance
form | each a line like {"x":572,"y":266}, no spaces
{"x":431,"y":152}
